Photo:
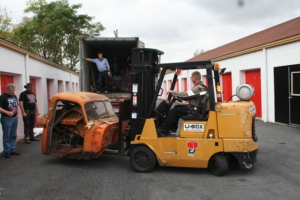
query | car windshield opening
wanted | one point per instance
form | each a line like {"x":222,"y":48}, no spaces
{"x":97,"y":110}
{"x":109,"y":109}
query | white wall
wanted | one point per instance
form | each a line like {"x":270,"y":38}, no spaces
{"x":45,"y":72}
{"x":288,"y":54}
{"x":24,"y":67}
{"x":265,"y":60}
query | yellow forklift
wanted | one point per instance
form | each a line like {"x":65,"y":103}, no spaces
{"x":215,"y":135}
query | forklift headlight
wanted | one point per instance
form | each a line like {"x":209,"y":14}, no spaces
{"x":245,"y":92}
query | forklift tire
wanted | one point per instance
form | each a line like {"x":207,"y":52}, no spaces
{"x":231,"y":161}
{"x":218,"y":165}
{"x":142,"y":159}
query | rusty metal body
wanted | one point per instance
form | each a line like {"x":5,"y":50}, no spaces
{"x":79,"y":125}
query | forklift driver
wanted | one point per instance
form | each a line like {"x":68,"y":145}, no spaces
{"x":171,"y":122}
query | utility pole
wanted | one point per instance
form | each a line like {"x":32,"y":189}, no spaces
{"x":116,"y":33}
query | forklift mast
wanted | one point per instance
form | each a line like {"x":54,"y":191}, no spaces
{"x":144,"y":70}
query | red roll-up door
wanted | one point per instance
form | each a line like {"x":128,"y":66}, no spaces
{"x":226,"y":86}
{"x":59,"y":89}
{"x":32,"y":81}
{"x":5,"y":79}
{"x":184,"y":85}
{"x":176,"y":86}
{"x":253,"y":78}
{"x":184,"y":81}
{"x":48,"y":90}
{"x":164,"y":87}
{"x":169,"y":85}
{"x":206,"y":81}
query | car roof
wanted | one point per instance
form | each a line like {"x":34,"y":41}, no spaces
{"x":79,"y":97}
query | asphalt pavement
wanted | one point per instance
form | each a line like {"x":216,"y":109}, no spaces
{"x":33,"y":175}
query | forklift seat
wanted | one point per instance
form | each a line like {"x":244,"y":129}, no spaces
{"x":198,"y":112}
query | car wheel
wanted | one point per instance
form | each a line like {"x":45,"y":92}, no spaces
{"x":218,"y":165}
{"x":142,"y":159}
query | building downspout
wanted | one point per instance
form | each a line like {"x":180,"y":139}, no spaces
{"x":71,"y":89}
{"x":265,"y":93}
{"x":26,"y":64}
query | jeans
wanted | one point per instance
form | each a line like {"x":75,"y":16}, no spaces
{"x":9,"y":128}
{"x":29,"y":121}
{"x":102,"y":77}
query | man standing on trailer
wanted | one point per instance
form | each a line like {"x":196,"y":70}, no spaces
{"x":103,"y":71}
{"x":29,"y":106}
{"x":171,"y":122}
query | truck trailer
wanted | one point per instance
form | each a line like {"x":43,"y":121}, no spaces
{"x":117,"y":50}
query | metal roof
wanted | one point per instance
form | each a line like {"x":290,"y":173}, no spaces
{"x":285,"y":30}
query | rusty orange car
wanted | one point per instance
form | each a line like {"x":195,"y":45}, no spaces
{"x":79,"y":125}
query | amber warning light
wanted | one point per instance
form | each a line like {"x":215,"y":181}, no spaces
{"x":217,"y":67}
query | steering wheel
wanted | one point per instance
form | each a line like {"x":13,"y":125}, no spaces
{"x":175,"y":98}
{"x":70,"y":137}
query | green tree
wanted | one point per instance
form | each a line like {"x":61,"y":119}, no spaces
{"x":6,"y":25}
{"x":54,"y":31}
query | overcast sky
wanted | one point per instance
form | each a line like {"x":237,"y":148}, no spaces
{"x":180,"y":27}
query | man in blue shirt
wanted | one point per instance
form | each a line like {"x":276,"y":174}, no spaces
{"x":103,"y":71}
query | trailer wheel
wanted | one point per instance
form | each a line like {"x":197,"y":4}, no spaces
{"x":218,"y":165}
{"x":142,"y":159}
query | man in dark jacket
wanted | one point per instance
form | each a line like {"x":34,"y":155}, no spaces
{"x":29,"y":107}
{"x":171,"y":122}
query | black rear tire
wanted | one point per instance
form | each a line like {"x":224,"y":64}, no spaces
{"x":218,"y":165}
{"x":231,"y":160}
{"x":142,"y":159}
